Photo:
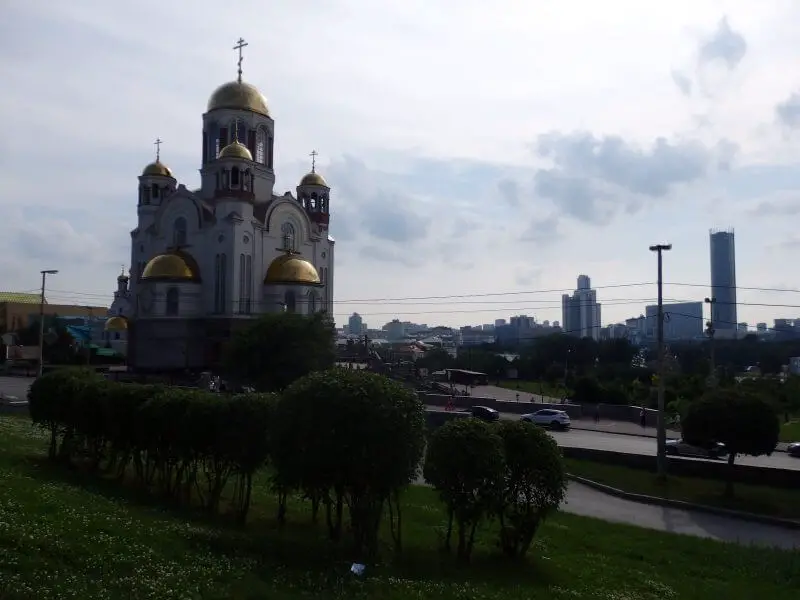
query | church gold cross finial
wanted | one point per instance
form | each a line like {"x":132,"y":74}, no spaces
{"x":314,"y":154}
{"x":157,"y":144}
{"x":240,"y":43}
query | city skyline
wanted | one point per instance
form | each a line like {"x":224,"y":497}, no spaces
{"x":517,"y":186}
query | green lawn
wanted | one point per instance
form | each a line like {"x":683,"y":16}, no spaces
{"x":750,"y":498}
{"x":790,"y":432}
{"x":534,"y":387}
{"x":64,"y":535}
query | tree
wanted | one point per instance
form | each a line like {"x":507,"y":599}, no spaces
{"x":534,"y":484}
{"x":435,"y":359}
{"x":743,"y":421}
{"x":279,"y":348}
{"x":465,"y":465}
{"x":349,"y":437}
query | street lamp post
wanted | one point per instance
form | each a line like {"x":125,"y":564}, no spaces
{"x":45,"y":273}
{"x":661,"y":435}
{"x":710,"y":331}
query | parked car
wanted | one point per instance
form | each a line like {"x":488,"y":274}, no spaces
{"x":794,"y":449}
{"x":681,"y":448}
{"x":548,"y":417}
{"x":484,"y":413}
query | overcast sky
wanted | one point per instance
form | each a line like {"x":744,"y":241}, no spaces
{"x":473,"y":147}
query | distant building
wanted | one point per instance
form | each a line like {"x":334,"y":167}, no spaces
{"x":723,"y":279}
{"x":395,"y":330}
{"x":682,"y":320}
{"x":355,"y":324}
{"x":580,"y":313}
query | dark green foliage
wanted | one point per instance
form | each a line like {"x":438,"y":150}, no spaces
{"x":534,"y":484}
{"x":185,"y":444}
{"x":279,"y":348}
{"x":465,"y":464}
{"x":348,"y":438}
{"x":744,"y":422}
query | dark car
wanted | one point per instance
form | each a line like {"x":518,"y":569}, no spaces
{"x":484,"y":413}
{"x":682,"y":448}
{"x":794,"y":449}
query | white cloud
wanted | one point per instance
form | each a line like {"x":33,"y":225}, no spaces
{"x":425,"y":115}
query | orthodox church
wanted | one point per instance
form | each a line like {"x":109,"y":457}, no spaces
{"x":204,"y":262}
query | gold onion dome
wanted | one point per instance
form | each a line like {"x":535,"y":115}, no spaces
{"x":116,"y":324}
{"x":157,"y":169}
{"x":168,"y":266}
{"x":291,"y":269}
{"x":236,"y":150}
{"x":313,"y":178}
{"x":237,"y":95}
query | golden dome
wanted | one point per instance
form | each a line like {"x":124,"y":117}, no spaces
{"x":157,"y":169}
{"x":238,"y":95}
{"x":291,"y":269}
{"x":168,"y":266}
{"x":236,"y":150}
{"x":314,"y":178}
{"x":116,"y":324}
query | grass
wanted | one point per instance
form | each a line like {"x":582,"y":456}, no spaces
{"x":64,"y":535}
{"x":764,"y":500}
{"x":790,"y":432}
{"x":535,"y":388}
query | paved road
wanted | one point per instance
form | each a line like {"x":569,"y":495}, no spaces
{"x":632,"y":444}
{"x":15,"y":386}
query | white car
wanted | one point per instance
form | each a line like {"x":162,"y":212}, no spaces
{"x":548,"y":417}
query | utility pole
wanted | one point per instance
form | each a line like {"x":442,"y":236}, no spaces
{"x":661,"y":435}
{"x":44,"y":273}
{"x":710,"y":331}
{"x":89,"y":334}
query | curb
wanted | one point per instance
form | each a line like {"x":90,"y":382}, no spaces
{"x":680,"y":504}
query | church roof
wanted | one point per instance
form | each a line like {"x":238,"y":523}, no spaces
{"x":169,"y":266}
{"x":291,"y":269}
{"x":20,"y":298}
{"x":236,"y":150}
{"x":238,"y":95}
{"x":157,"y":169}
{"x":314,"y":178}
{"x":116,"y":324}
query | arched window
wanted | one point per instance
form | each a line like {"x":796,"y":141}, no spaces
{"x":289,"y":236}
{"x":312,"y":302}
{"x":261,"y":147}
{"x":235,"y":177}
{"x":240,"y":132}
{"x":173,"y":302}
{"x":179,"y":232}
{"x":155,"y":191}
{"x":313,"y":203}
{"x":290,"y":301}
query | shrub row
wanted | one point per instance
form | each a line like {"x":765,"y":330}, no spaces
{"x":511,"y":471}
{"x":185,"y":444}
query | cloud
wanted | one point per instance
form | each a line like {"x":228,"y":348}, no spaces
{"x":788,"y":111}
{"x":543,"y":231}
{"x":783,"y":205}
{"x":592,"y":177}
{"x":527,"y":277}
{"x":390,"y":255}
{"x":725,"y":45}
{"x":509,"y":191}
{"x":683,"y":82}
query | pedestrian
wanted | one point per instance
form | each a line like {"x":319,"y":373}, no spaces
{"x":643,"y":418}
{"x":597,"y":413}
{"x":517,"y":396}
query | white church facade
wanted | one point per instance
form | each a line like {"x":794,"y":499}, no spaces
{"x":205,"y":262}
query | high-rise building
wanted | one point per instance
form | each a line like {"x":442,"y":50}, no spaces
{"x":682,"y":320}
{"x":355,"y":324}
{"x":723,"y":279}
{"x":580,"y":313}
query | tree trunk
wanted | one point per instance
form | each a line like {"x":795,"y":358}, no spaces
{"x":449,"y":535}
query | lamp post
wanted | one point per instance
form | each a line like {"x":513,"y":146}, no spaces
{"x":661,"y":434}
{"x":710,"y":331}
{"x":44,"y":273}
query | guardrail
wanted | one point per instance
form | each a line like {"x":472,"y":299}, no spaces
{"x":685,"y":467}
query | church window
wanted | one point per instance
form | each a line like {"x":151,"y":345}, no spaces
{"x":154,"y":190}
{"x":240,"y":132}
{"x":223,"y":139}
{"x":217,"y":269}
{"x":313,"y":203}
{"x":261,"y":147}
{"x":179,"y":232}
{"x":246,"y":180}
{"x":290,"y":301}
{"x":251,"y":141}
{"x":289,"y":236}
{"x":271,"y":144}
{"x":235,"y":177}
{"x":173,"y":301}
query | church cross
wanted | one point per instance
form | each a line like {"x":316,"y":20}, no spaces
{"x":240,"y":43}
{"x":314,"y":154}
{"x":157,"y":144}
